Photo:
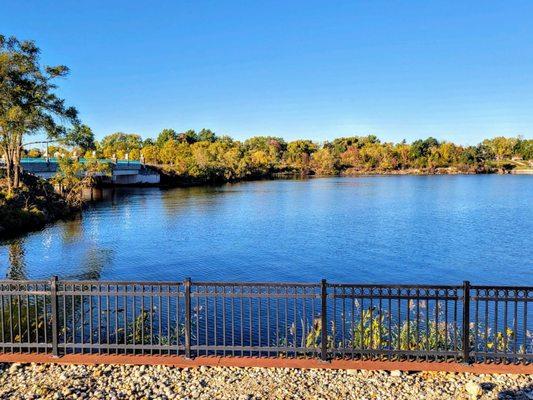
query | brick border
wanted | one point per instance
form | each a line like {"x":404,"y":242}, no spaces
{"x":181,"y":362}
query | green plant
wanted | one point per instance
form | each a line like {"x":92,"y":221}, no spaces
{"x":370,"y":331}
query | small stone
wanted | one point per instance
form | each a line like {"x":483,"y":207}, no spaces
{"x":396,"y":373}
{"x":14,"y":367}
{"x":473,"y":389}
{"x":352,"y":371}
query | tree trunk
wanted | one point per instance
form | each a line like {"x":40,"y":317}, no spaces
{"x":16,"y":171}
{"x":16,"y":176}
{"x":9,"y":178}
{"x":9,"y":170}
{"x":17,"y":151}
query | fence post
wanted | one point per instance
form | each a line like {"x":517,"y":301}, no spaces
{"x":466,"y":322}
{"x":55,"y":315}
{"x":324,"y":321}
{"x":187,"y":284}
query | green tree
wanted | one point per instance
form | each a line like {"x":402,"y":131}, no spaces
{"x":150,"y":154}
{"x":119,"y":144}
{"x":206,"y":135}
{"x":169,"y":152}
{"x":165,"y":135}
{"x":299,"y":153}
{"x":524,"y":148}
{"x":501,"y":147}
{"x":340,"y":145}
{"x":72,"y":176}
{"x":148,"y":142}
{"x":189,"y":136}
{"x":403,"y":151}
{"x":324,"y":162}
{"x":82,"y":136}
{"x":28,"y":102}
{"x":273,"y":147}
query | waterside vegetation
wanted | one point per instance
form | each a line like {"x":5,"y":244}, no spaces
{"x":35,"y":204}
{"x":205,"y":157}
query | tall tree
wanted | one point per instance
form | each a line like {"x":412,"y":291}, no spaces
{"x":82,"y":136}
{"x":206,"y":135}
{"x":28,"y":102}
{"x":165,"y":135}
{"x":119,"y":144}
{"x":190,"y":136}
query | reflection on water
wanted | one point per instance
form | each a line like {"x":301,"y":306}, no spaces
{"x":92,"y":264}
{"x":72,"y":230}
{"x":440,"y":229}
{"x":97,"y":193}
{"x":16,"y":263}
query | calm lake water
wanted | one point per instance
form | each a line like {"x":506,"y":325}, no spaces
{"x":407,"y":229}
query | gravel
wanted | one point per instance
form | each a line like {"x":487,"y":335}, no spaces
{"x":49,"y":381}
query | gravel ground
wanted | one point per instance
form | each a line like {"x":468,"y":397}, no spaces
{"x":34,"y":381}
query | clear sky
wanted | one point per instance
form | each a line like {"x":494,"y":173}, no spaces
{"x":456,"y":70}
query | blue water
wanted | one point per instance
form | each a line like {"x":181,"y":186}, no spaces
{"x":405,"y":229}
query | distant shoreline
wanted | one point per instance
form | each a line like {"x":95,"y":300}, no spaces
{"x":169,"y":179}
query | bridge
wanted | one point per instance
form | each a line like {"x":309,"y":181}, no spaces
{"x":123,"y":172}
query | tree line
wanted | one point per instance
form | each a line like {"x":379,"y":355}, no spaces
{"x":203,"y":155}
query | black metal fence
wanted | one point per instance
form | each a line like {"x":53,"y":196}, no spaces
{"x":386,"y":322}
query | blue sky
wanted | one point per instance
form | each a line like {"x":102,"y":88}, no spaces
{"x":458,"y":71}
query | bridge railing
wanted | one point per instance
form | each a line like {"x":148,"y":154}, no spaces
{"x":290,"y":320}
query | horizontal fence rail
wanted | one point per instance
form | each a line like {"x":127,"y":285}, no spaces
{"x":461,"y":323}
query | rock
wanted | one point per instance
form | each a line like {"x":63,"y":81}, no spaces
{"x":473,"y":389}
{"x":396,"y":373}
{"x":14,"y":367}
{"x":352,"y":372}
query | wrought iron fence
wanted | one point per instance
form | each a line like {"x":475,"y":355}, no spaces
{"x":386,"y":322}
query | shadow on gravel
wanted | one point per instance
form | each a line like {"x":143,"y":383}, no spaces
{"x":524,"y":393}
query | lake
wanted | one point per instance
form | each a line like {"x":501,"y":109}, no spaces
{"x":405,"y":229}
